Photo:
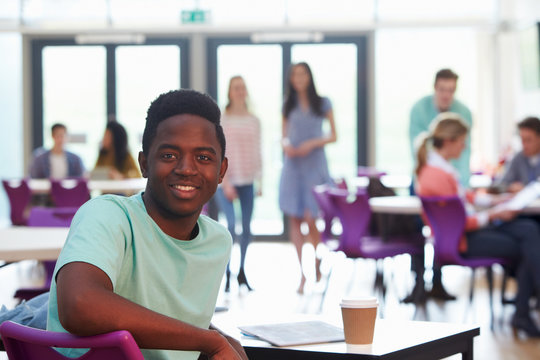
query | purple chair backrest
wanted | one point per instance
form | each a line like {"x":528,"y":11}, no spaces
{"x":19,"y":196}
{"x":327,"y":208}
{"x":446,"y":217}
{"x":354,"y":216}
{"x":70,"y":192}
{"x":369,"y":171}
{"x":51,"y":217}
{"x":26,"y":343}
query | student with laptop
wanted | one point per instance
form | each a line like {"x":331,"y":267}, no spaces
{"x":149,"y":263}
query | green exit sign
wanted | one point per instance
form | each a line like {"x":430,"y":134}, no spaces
{"x":194,"y":16}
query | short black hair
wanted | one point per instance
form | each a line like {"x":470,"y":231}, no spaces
{"x":531,"y":123}
{"x":58,"y":126}
{"x":178,"y":102}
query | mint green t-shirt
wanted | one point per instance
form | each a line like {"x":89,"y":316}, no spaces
{"x":423,"y":113}
{"x":176,"y":278}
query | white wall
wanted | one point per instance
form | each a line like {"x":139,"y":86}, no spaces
{"x":11,"y":118}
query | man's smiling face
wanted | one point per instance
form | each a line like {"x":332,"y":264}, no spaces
{"x":183,"y":166}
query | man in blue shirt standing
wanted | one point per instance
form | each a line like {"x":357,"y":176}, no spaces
{"x":426,"y":109}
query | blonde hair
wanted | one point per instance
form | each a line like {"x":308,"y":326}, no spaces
{"x":236,"y":77}
{"x":446,"y":126}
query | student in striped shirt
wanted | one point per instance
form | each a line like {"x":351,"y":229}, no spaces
{"x":243,"y":179}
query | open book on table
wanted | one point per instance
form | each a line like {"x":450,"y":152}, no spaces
{"x":295,"y":333}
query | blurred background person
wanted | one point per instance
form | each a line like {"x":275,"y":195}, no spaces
{"x":423,"y":113}
{"x":304,"y":163}
{"x":57,"y":163}
{"x":525,"y":165}
{"x":493,"y":232}
{"x":243,"y":179}
{"x":427,"y":108}
{"x":114,"y":156}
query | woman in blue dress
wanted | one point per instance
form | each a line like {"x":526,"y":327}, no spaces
{"x":304,"y":164}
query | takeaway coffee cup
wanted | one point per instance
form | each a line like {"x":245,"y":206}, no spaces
{"x":359,"y":316}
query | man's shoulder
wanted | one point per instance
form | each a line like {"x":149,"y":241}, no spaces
{"x":423,"y":102}
{"x":111,"y":202}
{"x":69,"y":154}
{"x":460,"y":108}
{"x":213,"y":228}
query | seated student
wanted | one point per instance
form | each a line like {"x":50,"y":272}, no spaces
{"x":525,"y":165}
{"x":57,"y":163}
{"x":494,"y":232}
{"x":114,"y":154}
{"x":149,"y":263}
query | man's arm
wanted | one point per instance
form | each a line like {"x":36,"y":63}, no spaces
{"x":87,"y":305}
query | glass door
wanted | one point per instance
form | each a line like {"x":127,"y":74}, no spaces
{"x":142,"y":73}
{"x":84,"y":86}
{"x":339,"y":68}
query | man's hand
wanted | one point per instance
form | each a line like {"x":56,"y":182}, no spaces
{"x":515,"y":187}
{"x":228,"y":349}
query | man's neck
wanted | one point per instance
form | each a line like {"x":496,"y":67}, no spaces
{"x":57,"y":150}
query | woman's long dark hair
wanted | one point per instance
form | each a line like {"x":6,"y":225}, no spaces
{"x":120,"y":144}
{"x":291,"y":99}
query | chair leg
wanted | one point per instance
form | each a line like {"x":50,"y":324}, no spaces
{"x":489,"y":274}
{"x":504,"y":299}
{"x":471,"y":293}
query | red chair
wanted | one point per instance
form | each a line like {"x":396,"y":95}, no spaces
{"x":70,"y":192}
{"x":26,"y":343}
{"x":355,"y":241}
{"x":19,"y":196}
{"x":446,"y":216}
{"x":46,"y":217}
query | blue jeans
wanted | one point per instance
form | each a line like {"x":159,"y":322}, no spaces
{"x":519,"y":241}
{"x":246,"y":198}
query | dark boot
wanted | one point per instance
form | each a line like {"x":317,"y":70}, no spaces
{"x":242,"y":279}
{"x":228,"y":280}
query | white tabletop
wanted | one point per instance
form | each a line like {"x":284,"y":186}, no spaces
{"x":412,"y":205}
{"x":25,"y":242}
{"x":132,"y":185}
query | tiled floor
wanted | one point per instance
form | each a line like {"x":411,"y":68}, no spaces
{"x":273,"y":272}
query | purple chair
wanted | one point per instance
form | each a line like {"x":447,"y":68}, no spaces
{"x":327,"y":209}
{"x":355,"y":241}
{"x":369,"y":171}
{"x":46,"y":217}
{"x":19,"y":195}
{"x":72,"y":192}
{"x":26,"y":343}
{"x":446,"y":216}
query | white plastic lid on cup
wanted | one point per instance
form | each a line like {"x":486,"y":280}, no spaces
{"x":359,"y":302}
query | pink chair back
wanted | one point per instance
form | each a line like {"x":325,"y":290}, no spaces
{"x":71,"y":192}
{"x":26,"y":343}
{"x":19,"y":196}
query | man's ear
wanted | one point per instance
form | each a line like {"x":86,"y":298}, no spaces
{"x":223,"y":169}
{"x":143,"y":164}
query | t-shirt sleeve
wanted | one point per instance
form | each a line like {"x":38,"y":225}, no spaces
{"x":326,"y":105}
{"x":99,"y":236}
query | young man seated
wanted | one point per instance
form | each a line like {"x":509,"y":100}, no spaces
{"x":525,"y":165}
{"x":148,"y":263}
